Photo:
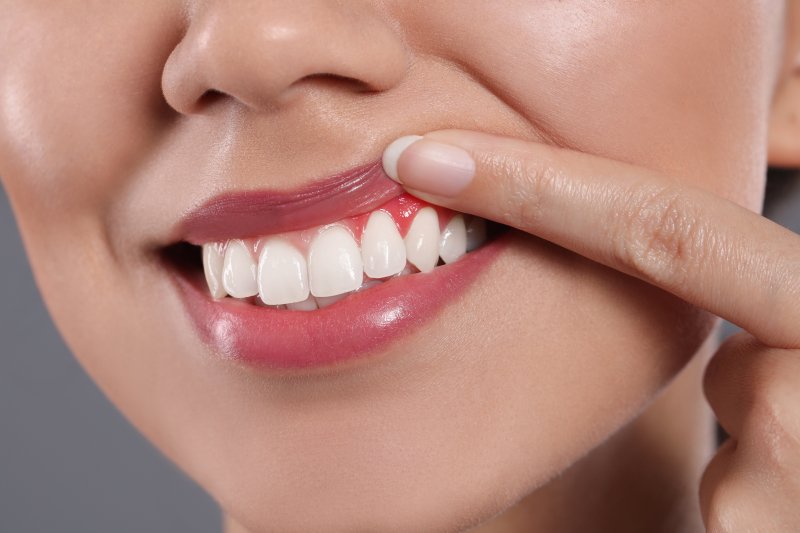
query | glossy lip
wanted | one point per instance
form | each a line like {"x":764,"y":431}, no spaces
{"x":356,"y":326}
{"x":246,"y":214}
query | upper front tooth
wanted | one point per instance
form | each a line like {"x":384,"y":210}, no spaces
{"x":239,"y":271}
{"x":282,"y":273}
{"x":453,"y":243}
{"x":382,"y":247}
{"x":334,"y":263}
{"x":212,"y":267}
{"x":422,"y":240}
{"x":476,"y":233}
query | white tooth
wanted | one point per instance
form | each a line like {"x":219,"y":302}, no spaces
{"x":239,"y":271}
{"x":260,"y":303}
{"x":309,"y":304}
{"x":476,"y":233}
{"x":325,"y":301}
{"x":282,"y":273}
{"x":453,"y":243}
{"x":334,"y":263}
{"x":408,"y":269}
{"x":382,"y":247}
{"x":422,"y":240}
{"x":213,"y":259}
{"x":369,"y":283}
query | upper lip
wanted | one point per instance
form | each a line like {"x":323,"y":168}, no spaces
{"x":252,"y":213}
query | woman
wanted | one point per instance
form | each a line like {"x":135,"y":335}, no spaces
{"x":205,"y":199}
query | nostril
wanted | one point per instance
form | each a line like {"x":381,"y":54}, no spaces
{"x":209,"y":98}
{"x":328,"y":79}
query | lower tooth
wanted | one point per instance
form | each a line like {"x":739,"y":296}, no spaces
{"x":309,"y":304}
{"x":368,"y":283}
{"x":409,"y":269}
{"x":325,"y":301}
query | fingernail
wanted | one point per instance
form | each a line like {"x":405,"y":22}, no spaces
{"x":392,"y":154}
{"x":428,"y":166}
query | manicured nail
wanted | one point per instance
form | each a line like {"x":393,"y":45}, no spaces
{"x":428,"y":166}
{"x":393,"y":151}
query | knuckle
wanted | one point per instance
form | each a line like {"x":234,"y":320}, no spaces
{"x":525,"y":196}
{"x":660,"y":233}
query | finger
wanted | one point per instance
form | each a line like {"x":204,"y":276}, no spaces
{"x":714,"y":476}
{"x":739,"y":493}
{"x":705,"y":249}
{"x":753,"y":390}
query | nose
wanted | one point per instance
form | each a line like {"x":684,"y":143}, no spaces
{"x":264,"y":52}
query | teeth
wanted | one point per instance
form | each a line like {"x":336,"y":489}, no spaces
{"x":334,"y":263}
{"x":422,"y":240}
{"x":453,"y":243}
{"x":368,"y":283}
{"x":325,"y":301}
{"x":309,"y":304}
{"x":382,"y":247}
{"x":213,"y":259}
{"x":406,"y":271}
{"x":476,"y":233}
{"x":239,"y":271}
{"x":287,"y":275}
{"x":282,"y":274}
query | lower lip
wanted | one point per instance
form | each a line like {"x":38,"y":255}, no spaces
{"x":352,"y":328}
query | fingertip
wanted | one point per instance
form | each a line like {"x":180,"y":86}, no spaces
{"x":430,"y":166}
{"x":392,"y":154}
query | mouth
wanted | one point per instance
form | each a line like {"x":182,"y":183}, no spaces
{"x":323,"y":275}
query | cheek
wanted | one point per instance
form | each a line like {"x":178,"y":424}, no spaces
{"x":80,"y":104}
{"x":660,"y":86}
{"x":79,"y":108}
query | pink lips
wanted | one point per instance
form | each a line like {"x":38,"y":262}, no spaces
{"x":360,"y":324}
{"x":253,"y":213}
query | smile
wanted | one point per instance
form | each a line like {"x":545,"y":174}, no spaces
{"x":318,"y":295}
{"x":314,"y":268}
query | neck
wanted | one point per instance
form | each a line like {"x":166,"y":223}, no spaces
{"x":644,"y":478}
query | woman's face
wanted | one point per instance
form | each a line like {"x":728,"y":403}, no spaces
{"x":119,"y":118}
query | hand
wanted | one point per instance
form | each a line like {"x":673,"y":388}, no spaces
{"x":701,"y":247}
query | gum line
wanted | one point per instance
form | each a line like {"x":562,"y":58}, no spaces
{"x":402,"y":210}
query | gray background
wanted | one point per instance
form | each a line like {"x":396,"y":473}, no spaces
{"x":68,"y":460}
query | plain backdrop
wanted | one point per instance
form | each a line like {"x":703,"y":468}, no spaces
{"x":69,"y":462}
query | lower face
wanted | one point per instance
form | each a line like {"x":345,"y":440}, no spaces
{"x":536,"y":356}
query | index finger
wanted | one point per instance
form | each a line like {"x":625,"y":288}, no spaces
{"x":699,"y":246}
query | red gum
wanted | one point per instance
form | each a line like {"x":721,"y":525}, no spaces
{"x":402,"y":209}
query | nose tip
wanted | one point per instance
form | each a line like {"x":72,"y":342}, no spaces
{"x":260,"y":56}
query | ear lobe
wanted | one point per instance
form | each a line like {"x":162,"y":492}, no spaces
{"x":784,"y":127}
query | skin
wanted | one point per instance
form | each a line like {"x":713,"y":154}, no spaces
{"x":568,"y":393}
